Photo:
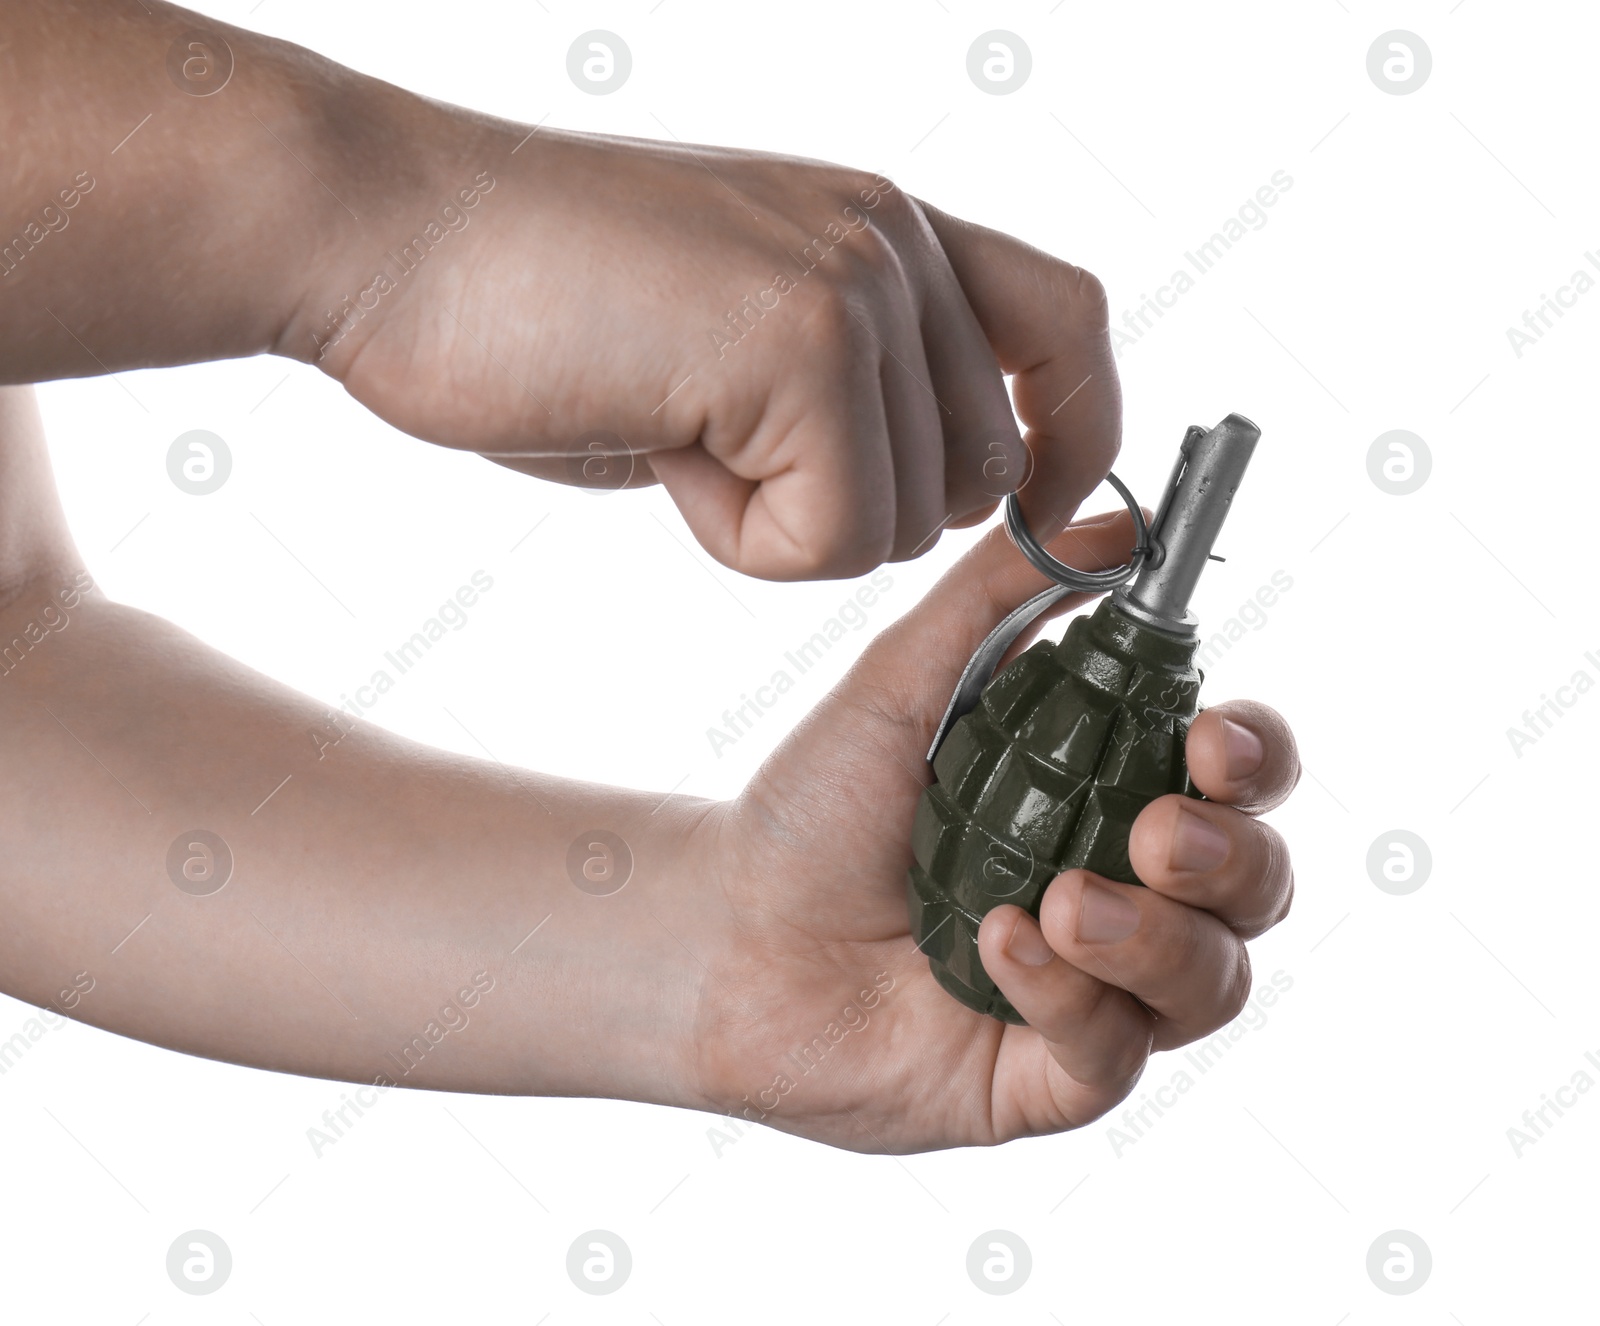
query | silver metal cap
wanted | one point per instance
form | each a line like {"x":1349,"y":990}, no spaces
{"x":1211,"y":462}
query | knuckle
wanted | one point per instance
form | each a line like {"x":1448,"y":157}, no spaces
{"x":869,"y":193}
{"x":833,"y":317}
{"x":1192,"y":947}
{"x":1129,"y":1063}
{"x":1082,"y":298}
{"x":911,"y":543}
{"x":1100,"y":449}
{"x":1058,"y":910}
{"x":1111,"y":1086}
{"x":1237,"y":982}
{"x":860,"y":224}
{"x":861,"y":549}
{"x":1122,"y":1069}
{"x":871,"y":258}
{"x":839,"y":558}
{"x":843,"y":545}
{"x":857,"y":561}
{"x":1278,"y":873}
{"x":1272,"y":853}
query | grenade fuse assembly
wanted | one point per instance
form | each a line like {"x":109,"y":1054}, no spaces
{"x":1045,"y":767}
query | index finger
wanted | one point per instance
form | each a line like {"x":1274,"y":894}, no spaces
{"x":1047,"y":323}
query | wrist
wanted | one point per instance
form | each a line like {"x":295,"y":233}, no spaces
{"x":624,"y":970}
{"x":412,"y":174}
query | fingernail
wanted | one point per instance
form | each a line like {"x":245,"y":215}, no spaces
{"x":1244,"y":750}
{"x":1197,"y":843}
{"x":1105,"y":917}
{"x":1028,"y":944}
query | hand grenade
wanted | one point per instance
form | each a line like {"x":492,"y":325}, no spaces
{"x":1046,"y":766}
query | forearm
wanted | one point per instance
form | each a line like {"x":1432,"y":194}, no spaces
{"x":375,"y":884}
{"x":152,"y":213}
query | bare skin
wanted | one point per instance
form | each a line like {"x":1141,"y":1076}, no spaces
{"x":375,"y":886}
{"x":572,"y":301}
{"x":810,"y":362}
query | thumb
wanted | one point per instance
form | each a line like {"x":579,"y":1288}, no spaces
{"x":866,"y":742}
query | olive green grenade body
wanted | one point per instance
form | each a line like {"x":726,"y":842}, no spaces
{"x":1072,"y":740}
{"x":1066,"y":747}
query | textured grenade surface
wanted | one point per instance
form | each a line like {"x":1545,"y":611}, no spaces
{"x":1068,"y":744}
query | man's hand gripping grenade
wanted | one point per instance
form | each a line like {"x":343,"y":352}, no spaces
{"x":1045,"y":767}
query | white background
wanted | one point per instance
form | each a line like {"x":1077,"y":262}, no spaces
{"x":1418,"y":1028}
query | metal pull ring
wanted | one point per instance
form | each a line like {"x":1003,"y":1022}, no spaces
{"x":1069,"y":580}
{"x":1085,"y":582}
